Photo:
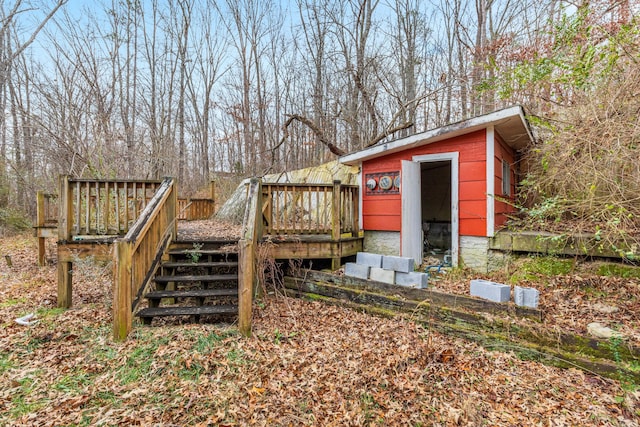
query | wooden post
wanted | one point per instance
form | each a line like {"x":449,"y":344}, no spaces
{"x":252,"y":226}
{"x":173,"y":209}
{"x":65,"y":207}
{"x":335,"y":222}
{"x":246,"y":277}
{"x":65,"y":285}
{"x":40,"y":220}
{"x":122,"y":316}
{"x":212,"y":189}
{"x":355,"y":194}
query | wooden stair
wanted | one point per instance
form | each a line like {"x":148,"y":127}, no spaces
{"x":198,"y":279}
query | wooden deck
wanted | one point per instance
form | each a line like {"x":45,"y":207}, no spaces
{"x":134,"y":223}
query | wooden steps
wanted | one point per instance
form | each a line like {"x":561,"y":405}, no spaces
{"x":188,"y":264}
{"x":147,"y":314}
{"x":192,"y":293}
{"x":186,"y":278}
{"x":198,"y":279}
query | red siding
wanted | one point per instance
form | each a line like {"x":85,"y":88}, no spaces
{"x":502,"y":209}
{"x":383,"y":212}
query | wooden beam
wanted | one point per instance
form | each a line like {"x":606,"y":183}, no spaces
{"x":40,"y":219}
{"x":65,"y":200}
{"x":100,"y":251}
{"x":122,"y":298}
{"x":335,"y":222}
{"x":252,"y":228}
{"x":65,"y":291}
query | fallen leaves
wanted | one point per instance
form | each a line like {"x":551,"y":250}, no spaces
{"x":308,"y":364}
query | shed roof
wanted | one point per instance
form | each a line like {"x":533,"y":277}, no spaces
{"x":509,"y":123}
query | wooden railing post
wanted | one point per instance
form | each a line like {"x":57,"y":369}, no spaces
{"x":40,"y":220}
{"x":174,"y":209}
{"x":335,"y":221}
{"x":65,"y":222}
{"x":252,"y":226}
{"x":355,"y":194}
{"x":212,"y":189}
{"x":122,"y":298}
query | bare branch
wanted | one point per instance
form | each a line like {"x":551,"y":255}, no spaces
{"x":314,"y":128}
{"x":26,"y":44}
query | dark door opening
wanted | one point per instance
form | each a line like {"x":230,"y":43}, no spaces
{"x":436,"y":209}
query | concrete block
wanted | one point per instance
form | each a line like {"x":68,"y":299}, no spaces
{"x":491,"y":291}
{"x":413,"y":279}
{"x":356,"y":270}
{"x":366,"y":258}
{"x":398,"y":263}
{"x":382,"y":275}
{"x":526,"y":297}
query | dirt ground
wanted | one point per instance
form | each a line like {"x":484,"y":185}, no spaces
{"x":306,"y":364}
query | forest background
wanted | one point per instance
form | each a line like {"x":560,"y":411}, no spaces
{"x":204,"y":89}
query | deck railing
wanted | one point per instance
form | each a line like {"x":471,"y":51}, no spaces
{"x":47,"y":209}
{"x":92,"y":208}
{"x":290,"y":209}
{"x":195,"y":208}
{"x":137,"y":255}
{"x":293,"y":209}
{"x":46,"y":223}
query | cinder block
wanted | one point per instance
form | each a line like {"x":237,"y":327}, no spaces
{"x":491,"y":291}
{"x":366,"y":258}
{"x":526,"y":297}
{"x":356,"y":270}
{"x":413,"y":279}
{"x":398,"y":263}
{"x":382,"y":275}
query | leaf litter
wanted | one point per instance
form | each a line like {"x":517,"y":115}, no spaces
{"x":307,"y":364}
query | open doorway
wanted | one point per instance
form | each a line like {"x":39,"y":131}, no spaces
{"x":435,"y":178}
{"x":430,"y":208}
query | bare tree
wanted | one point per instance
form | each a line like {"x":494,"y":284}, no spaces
{"x":11,"y":48}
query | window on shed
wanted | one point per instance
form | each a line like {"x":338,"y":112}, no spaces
{"x":506,"y":178}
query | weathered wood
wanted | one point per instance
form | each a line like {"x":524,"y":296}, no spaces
{"x":309,"y":248}
{"x":122,"y":295}
{"x":65,"y":211}
{"x":336,"y":223}
{"x":138,"y":254}
{"x":71,"y":251}
{"x":192,"y":293}
{"x":429,"y":294}
{"x":251,"y":229}
{"x":201,"y":310}
{"x":554,"y":356}
{"x":40,"y":220}
{"x":197,"y":278}
{"x":246,"y":277}
{"x":65,"y":290}
{"x":564,"y":349}
{"x":205,"y":264}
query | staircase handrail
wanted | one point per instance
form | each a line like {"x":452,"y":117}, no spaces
{"x":251,"y":231}
{"x":137,"y":254}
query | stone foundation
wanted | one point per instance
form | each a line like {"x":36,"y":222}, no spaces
{"x":382,"y":242}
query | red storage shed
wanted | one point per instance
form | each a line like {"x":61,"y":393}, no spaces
{"x":443,"y":192}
